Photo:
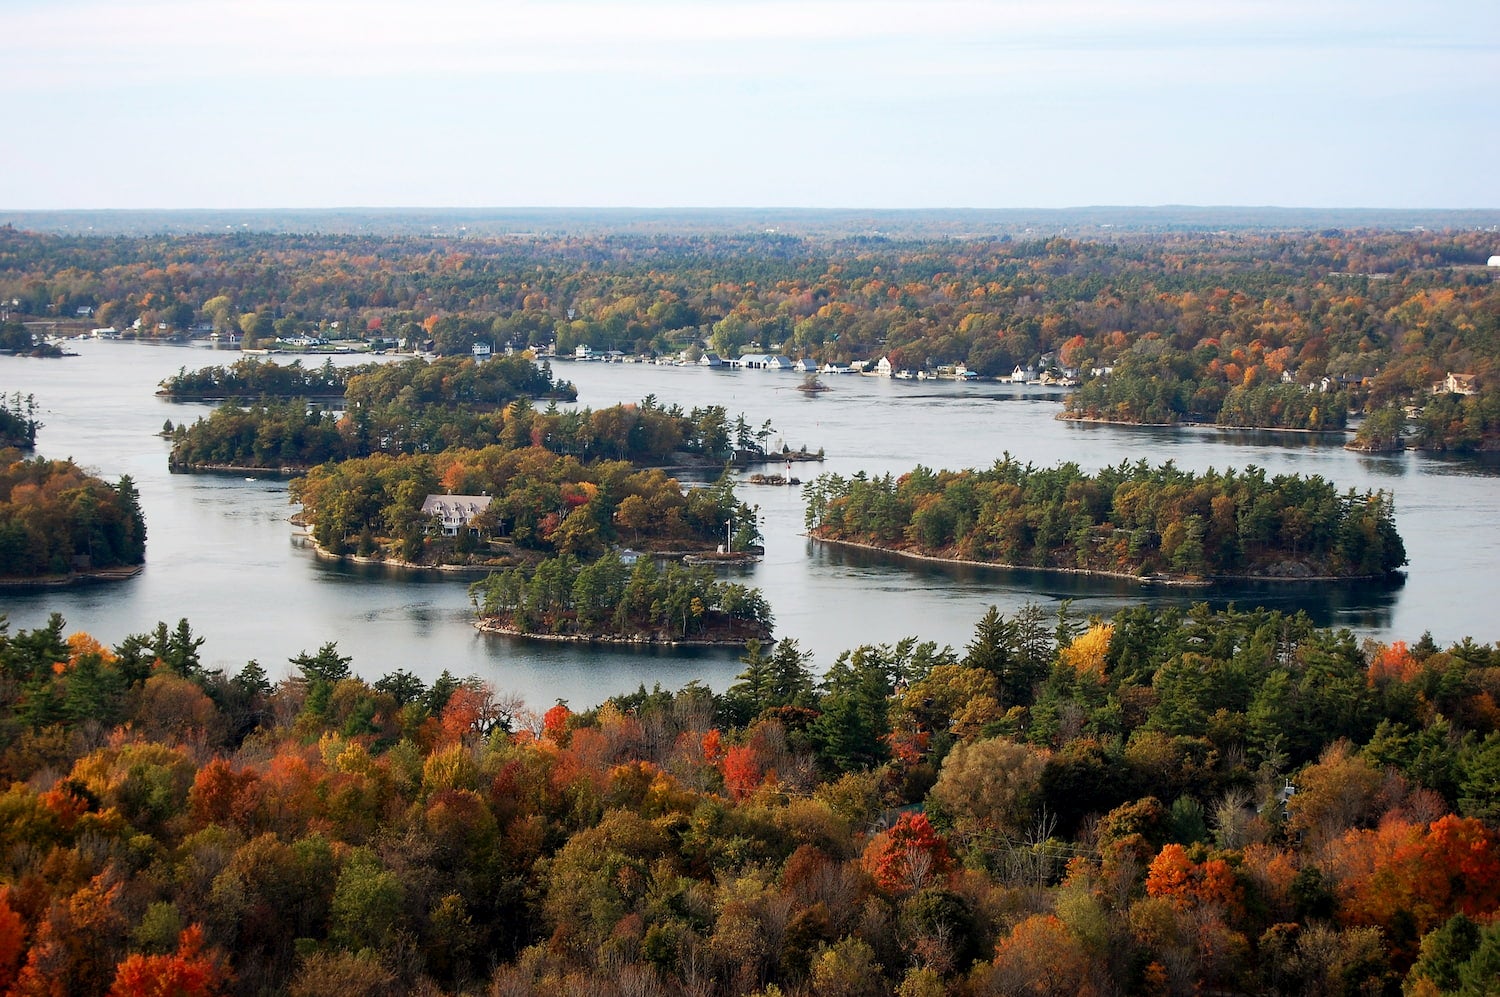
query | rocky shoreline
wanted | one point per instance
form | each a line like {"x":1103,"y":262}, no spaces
{"x":73,"y":578}
{"x":1169,"y":581}
{"x":494,"y":626}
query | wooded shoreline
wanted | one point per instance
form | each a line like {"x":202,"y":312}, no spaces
{"x":1171,"y":581}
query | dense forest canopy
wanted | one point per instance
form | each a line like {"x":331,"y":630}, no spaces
{"x":1132,"y":519}
{"x":1166,"y":802}
{"x":55,"y":519}
{"x":541,"y":501}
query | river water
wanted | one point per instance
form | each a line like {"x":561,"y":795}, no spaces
{"x":221,"y":552}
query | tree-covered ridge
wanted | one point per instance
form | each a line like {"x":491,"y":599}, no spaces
{"x":252,"y":377}
{"x":1133,"y":519}
{"x":18,"y":422}
{"x":608,"y":599}
{"x":1168,"y":802}
{"x":541,"y":502}
{"x":56,"y":520}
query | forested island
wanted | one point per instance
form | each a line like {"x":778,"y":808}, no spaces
{"x":539,"y":503}
{"x":1266,"y":327}
{"x":1132,"y":519}
{"x":1166,"y":802}
{"x":407,"y":407}
{"x":60,"y":524}
{"x":251,"y":377}
{"x":609,"y":601}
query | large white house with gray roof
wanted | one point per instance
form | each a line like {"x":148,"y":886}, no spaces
{"x":455,"y":511}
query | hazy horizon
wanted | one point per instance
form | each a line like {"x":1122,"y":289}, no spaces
{"x":285,"y":105}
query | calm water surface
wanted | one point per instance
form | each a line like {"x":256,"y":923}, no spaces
{"x":221,"y":552}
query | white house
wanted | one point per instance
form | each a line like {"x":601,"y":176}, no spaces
{"x":455,"y":511}
{"x":765,"y":361}
{"x":1456,"y":384}
{"x":883,"y":367}
{"x":482,"y":351}
{"x":710,"y":360}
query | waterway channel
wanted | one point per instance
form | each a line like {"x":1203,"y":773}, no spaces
{"x":222,"y":553}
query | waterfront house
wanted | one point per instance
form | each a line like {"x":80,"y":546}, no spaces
{"x":883,"y":367}
{"x":765,"y":361}
{"x":710,"y":360}
{"x":1456,"y":384}
{"x":455,"y":512}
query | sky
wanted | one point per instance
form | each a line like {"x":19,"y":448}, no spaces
{"x":717,"y":103}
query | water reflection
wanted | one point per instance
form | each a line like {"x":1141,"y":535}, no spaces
{"x":1364,"y":605}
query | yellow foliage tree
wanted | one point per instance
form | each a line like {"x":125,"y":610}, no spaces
{"x":1089,"y":651}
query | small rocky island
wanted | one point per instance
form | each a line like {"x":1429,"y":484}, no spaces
{"x":620,"y":600}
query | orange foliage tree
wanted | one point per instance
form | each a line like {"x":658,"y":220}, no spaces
{"x":188,"y":972}
{"x":741,"y":771}
{"x":1450,"y":867}
{"x":909,"y":856}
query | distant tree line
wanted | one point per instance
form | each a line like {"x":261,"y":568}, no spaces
{"x":1132,"y":518}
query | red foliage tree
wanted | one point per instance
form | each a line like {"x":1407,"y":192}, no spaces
{"x":220,"y":795}
{"x":555,"y":723}
{"x":1450,"y":867}
{"x":461,"y":714}
{"x":742,"y":772}
{"x":12,"y":940}
{"x":188,"y":972}
{"x":909,"y":856}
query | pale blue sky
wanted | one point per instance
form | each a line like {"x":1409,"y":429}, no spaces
{"x":825,"y":103}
